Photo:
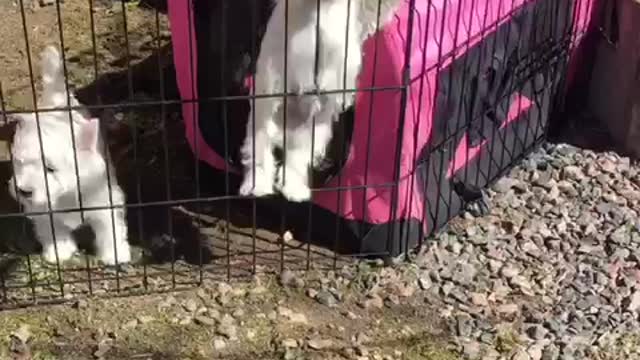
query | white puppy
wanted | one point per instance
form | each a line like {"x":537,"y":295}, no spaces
{"x":61,"y":185}
{"x":340,"y":37}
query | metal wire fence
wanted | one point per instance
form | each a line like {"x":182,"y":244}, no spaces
{"x":467,"y":112}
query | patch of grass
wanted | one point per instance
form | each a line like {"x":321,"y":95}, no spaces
{"x":626,"y":347}
{"x":365,"y":278}
{"x":422,"y":347}
{"x":507,"y":342}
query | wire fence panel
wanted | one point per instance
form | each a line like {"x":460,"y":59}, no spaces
{"x":163,"y":145}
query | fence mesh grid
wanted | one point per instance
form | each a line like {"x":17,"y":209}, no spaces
{"x":186,"y":222}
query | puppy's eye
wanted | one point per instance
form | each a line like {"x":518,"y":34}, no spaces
{"x":50,"y":169}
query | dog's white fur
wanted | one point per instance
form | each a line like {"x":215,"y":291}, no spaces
{"x":375,"y":14}
{"x":60,"y":172}
{"x":336,"y":16}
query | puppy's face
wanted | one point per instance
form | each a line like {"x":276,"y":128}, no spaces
{"x":35,"y":180}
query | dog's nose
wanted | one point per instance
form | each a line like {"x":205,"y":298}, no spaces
{"x":25,"y":193}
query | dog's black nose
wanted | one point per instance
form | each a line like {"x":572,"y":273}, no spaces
{"x":25,"y":193}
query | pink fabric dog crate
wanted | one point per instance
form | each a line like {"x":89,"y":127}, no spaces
{"x":482,"y":80}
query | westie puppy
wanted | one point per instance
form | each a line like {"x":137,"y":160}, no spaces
{"x":339,"y":36}
{"x":30,"y":188}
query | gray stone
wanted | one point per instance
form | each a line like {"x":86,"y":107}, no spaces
{"x":425,"y":282}
{"x":464,"y":274}
{"x":521,"y":355}
{"x":190,"y":305}
{"x":509,"y":271}
{"x":536,"y":332}
{"x":458,"y":295}
{"x":319,"y":344}
{"x":504,"y":184}
{"x":229,"y":331}
{"x":446,"y":288}
{"x":204,"y":320}
{"x":632,"y":302}
{"x":391,"y":300}
{"x":508,"y":309}
{"x":487,"y":338}
{"x":289,"y":279}
{"x":554,"y":326}
{"x":471,"y":349}
{"x":290,"y":354}
{"x":620,"y":236}
{"x":219,"y":344}
{"x":237,"y":313}
{"x":491,"y":354}
{"x":289,"y":343}
{"x":535,"y":351}
{"x":326,"y":298}
{"x":372,"y":302}
{"x":479,"y":299}
{"x":603,"y":208}
{"x":572,"y":173}
{"x":495,"y":266}
{"x":464,"y":325}
{"x":551,"y":352}
{"x":521,"y":283}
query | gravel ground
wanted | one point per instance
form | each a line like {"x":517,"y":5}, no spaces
{"x":554,"y":271}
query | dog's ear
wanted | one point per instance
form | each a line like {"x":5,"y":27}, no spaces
{"x":88,"y":135}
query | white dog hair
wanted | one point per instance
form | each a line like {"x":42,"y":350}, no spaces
{"x":337,"y":17}
{"x":375,"y":14}
{"x":29,"y":186}
{"x":343,"y":27}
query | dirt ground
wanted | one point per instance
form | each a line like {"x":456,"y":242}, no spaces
{"x":267,"y":321}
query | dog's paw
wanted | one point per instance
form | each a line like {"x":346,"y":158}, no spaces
{"x":66,"y":249}
{"x":108,"y":256}
{"x":262,"y":186}
{"x":295,"y":187}
{"x":296,"y":192}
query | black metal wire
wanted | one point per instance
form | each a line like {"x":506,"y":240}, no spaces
{"x":510,"y":154}
{"x":135,"y":142}
{"x":316,"y":64}
{"x":165,"y":141}
{"x":20,"y":208}
{"x":73,"y":137}
{"x":561,"y":88}
{"x":285,"y":81}
{"x":482,"y":52}
{"x":442,"y":173}
{"x":223,"y":61}
{"x":336,"y":241}
{"x":425,"y":205}
{"x":460,"y":106}
{"x":535,"y":97}
{"x":194,"y":125}
{"x":152,"y":103}
{"x":406,"y":79}
{"x":372,"y":94}
{"x":176,"y":202}
{"x":96,"y":75}
{"x":528,"y":115}
{"x":254,"y":56}
{"x":42,"y":156}
{"x":495,"y":129}
{"x":431,"y":147}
